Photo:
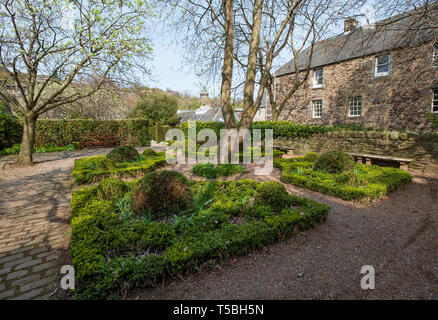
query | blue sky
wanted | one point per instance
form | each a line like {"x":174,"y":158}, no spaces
{"x":169,"y":69}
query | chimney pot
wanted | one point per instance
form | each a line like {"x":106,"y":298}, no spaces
{"x":350,"y":24}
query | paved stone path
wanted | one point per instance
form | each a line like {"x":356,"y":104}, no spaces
{"x":34,"y":224}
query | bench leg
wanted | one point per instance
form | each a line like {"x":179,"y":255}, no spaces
{"x":404,"y":166}
{"x":368,"y":161}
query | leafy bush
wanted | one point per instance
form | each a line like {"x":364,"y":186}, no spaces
{"x":94,"y":169}
{"x":64,"y":132}
{"x":10,"y":129}
{"x":273,"y":194}
{"x":210,"y":171}
{"x":155,"y":105}
{"x":112,"y":254}
{"x":149,"y":153}
{"x":362,"y":183}
{"x":111,"y":188}
{"x":335,"y":162}
{"x":311,"y":157}
{"x":162,"y":193}
{"x":122,"y":154}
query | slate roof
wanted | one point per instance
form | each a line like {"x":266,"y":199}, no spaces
{"x":389,"y":34}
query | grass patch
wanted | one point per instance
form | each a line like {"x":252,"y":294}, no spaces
{"x":115,"y":250}
{"x":210,"y":171}
{"x":361,"y":183}
{"x":95,"y":169}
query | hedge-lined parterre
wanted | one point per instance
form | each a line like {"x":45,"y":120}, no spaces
{"x":352,"y":182}
{"x":115,"y":249}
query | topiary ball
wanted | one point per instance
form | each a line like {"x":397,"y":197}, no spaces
{"x":163,"y":193}
{"x":272,"y":193}
{"x":111,"y":188}
{"x":335,"y":162}
{"x":123,"y":154}
{"x":149,"y":153}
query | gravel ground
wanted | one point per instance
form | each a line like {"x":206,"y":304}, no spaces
{"x":397,"y":235}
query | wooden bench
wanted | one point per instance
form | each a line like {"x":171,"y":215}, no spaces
{"x":369,"y":157}
{"x":282,"y":148}
{"x":99,"y":140}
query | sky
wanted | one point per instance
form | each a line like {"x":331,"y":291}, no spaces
{"x":169,"y":69}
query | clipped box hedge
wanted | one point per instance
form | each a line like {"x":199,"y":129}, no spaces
{"x":362,"y":183}
{"x":95,"y":169}
{"x":133,"y":132}
{"x":112,"y":253}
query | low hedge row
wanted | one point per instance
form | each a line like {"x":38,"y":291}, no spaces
{"x":280,"y":128}
{"x":94,"y":169}
{"x":113,"y":252}
{"x":133,"y":132}
{"x":362,"y":183}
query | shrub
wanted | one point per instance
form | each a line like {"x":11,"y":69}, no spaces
{"x":335,"y":162}
{"x":273,"y":194}
{"x":311,"y":157}
{"x":94,"y":169}
{"x":123,"y":154}
{"x":162,"y":193}
{"x":149,"y":153}
{"x":10,"y":129}
{"x":210,"y":171}
{"x":362,"y":183}
{"x":111,"y":188}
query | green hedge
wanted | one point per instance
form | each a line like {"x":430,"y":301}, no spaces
{"x":10,"y":129}
{"x":280,"y":128}
{"x":362,"y":183}
{"x":133,"y":132}
{"x":210,"y":171}
{"x":113,"y":251}
{"x":95,"y":169}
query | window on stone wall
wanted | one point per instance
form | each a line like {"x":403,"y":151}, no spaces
{"x":317,"y":108}
{"x":435,"y":56}
{"x":383,"y":64}
{"x":355,"y":107}
{"x":318,"y":78}
{"x":435,"y":101}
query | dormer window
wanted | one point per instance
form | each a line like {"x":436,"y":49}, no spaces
{"x":383,"y":64}
{"x":318,"y":78}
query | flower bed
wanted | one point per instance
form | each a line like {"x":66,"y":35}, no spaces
{"x":362,"y":183}
{"x":115,"y":249}
{"x":94,"y":169}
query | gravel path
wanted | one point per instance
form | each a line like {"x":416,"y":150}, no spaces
{"x":398,"y":235}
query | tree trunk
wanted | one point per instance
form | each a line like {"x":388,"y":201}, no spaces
{"x":227,"y":69}
{"x":274,"y":115}
{"x":28,"y":142}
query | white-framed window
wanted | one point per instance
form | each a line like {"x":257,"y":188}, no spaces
{"x":318,"y":78}
{"x":355,"y":107}
{"x":317,"y":108}
{"x":383,"y":65}
{"x":435,"y":56}
{"x":435,"y":101}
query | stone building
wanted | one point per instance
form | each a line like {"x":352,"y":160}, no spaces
{"x":381,"y":76}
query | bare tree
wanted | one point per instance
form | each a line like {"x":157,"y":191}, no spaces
{"x":262,"y":30}
{"x":47,"y":45}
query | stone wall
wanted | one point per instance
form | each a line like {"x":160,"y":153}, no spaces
{"x":398,"y":101}
{"x":421,"y":147}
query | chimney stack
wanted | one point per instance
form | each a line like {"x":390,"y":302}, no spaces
{"x":350,"y":24}
{"x":204,"y":97}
